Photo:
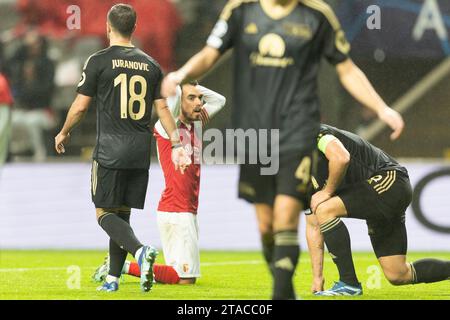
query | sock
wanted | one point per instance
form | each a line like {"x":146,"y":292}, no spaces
{"x":337,"y":239}
{"x":120,"y":232}
{"x":138,"y":253}
{"x":268,"y":244}
{"x":134,"y":269}
{"x":285,"y":258}
{"x":117,"y":255}
{"x":165,"y":274}
{"x":110,"y":279}
{"x":126,"y":267}
{"x":430,"y":270}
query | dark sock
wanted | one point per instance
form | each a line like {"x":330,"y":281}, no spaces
{"x":430,"y":270}
{"x":285,"y":258}
{"x":337,"y":239}
{"x":268,"y":244}
{"x":117,"y":255}
{"x":120,"y":232}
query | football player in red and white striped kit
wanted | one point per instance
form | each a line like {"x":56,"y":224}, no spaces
{"x":192,"y":107}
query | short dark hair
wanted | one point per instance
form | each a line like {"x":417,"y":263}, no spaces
{"x":192,"y":83}
{"x":122,"y":18}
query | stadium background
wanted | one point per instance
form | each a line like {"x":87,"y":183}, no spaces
{"x":45,"y":203}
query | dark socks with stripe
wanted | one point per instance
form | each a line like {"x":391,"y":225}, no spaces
{"x":117,"y":255}
{"x":430,"y":270}
{"x":120,"y":232}
{"x":268,"y":244}
{"x":337,"y":239}
{"x":285,"y":259}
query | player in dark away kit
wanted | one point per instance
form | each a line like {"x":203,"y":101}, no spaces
{"x":358,"y":180}
{"x":125,"y":83}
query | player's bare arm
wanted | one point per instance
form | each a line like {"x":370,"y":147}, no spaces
{"x":196,"y":67}
{"x":338,"y":161}
{"x":357,"y":84}
{"x":76,"y":113}
{"x":315,"y":242}
{"x":180,"y":158}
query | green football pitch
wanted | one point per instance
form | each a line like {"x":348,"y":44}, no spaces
{"x":225,"y":276}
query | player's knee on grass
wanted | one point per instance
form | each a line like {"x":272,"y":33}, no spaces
{"x":187,"y":281}
{"x":398,"y":274}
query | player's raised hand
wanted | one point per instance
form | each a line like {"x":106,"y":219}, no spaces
{"x":60,"y":139}
{"x":170,"y":83}
{"x":394,"y":120}
{"x":180,"y":158}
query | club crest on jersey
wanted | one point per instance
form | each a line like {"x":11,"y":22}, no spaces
{"x":297,"y":30}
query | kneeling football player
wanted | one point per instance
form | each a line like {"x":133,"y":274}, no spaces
{"x":357,"y":180}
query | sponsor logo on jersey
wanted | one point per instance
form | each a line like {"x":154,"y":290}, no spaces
{"x":272,"y":49}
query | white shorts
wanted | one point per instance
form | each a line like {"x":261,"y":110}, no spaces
{"x":179,"y":237}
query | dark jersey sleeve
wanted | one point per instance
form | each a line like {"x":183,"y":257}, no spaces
{"x":89,"y":78}
{"x":224,"y":33}
{"x":323,"y":132}
{"x":335,"y":47}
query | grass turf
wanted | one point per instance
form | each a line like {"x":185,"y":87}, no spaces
{"x":225,"y":275}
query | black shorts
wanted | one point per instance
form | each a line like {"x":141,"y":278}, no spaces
{"x":116,"y":188}
{"x":293,"y":179}
{"x":382,"y":201}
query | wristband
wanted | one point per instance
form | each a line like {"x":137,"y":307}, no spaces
{"x":177,"y":145}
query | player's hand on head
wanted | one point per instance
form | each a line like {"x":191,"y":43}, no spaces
{"x":169,"y":84}
{"x":318,"y":198}
{"x":394,"y":120}
{"x":60,"y":139}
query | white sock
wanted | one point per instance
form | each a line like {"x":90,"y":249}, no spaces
{"x":138,"y":254}
{"x":126,"y":267}
{"x":110,"y":279}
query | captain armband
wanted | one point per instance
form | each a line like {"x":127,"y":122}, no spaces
{"x":324,"y":141}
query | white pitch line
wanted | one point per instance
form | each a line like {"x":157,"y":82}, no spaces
{"x":210,"y":264}
{"x":204,"y":264}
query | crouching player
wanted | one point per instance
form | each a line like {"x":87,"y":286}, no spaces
{"x":192,"y":107}
{"x":357,"y":180}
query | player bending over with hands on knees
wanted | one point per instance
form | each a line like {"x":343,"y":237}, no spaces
{"x":125,"y":83}
{"x":192,"y":107}
{"x":355,"y":179}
